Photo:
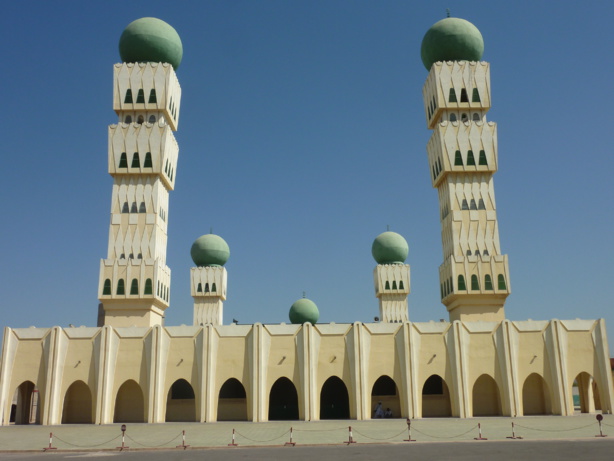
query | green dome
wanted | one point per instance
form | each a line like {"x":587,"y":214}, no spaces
{"x":210,"y":250}
{"x":451,"y":39}
{"x":304,"y":310}
{"x":150,"y":40}
{"x":389,"y":248}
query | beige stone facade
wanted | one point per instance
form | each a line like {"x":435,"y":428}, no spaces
{"x":307,"y":372}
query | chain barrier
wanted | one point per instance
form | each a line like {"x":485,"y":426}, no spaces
{"x":444,"y":437}
{"x":554,"y":430}
{"x":154,"y":446}
{"x":344,"y":428}
{"x":55,"y":436}
{"x":263,"y":441}
{"x":375,"y":438}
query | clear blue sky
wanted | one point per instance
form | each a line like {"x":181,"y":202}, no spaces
{"x":302,"y":136}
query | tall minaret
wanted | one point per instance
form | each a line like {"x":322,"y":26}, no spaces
{"x":209,"y":279}
{"x":462,"y":153}
{"x":134,"y":285}
{"x":391,"y":276}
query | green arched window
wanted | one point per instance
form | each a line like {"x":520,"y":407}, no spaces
{"x":470,"y":158}
{"x":482,"y":160}
{"x":481,"y":205}
{"x":387,"y":285}
{"x":401,"y":286}
{"x":487,"y":282}
{"x":123,"y":161}
{"x":152,"y":97}
{"x":461,"y":283}
{"x":464,"y":97}
{"x":148,"y":163}
{"x":142,"y":208}
{"x":106,"y":289}
{"x":199,"y":288}
{"x":136,"y":162}
{"x":473,"y":205}
{"x":501,"y":282}
{"x":465,"y":205}
{"x":475,"y":284}
{"x":458,"y":158}
{"x":134,"y":287}
{"x":206,"y":288}
{"x":394,"y":284}
{"x":213,"y":288}
{"x":125,"y":208}
{"x":133,"y":208}
{"x":140,"y":97}
{"x":148,"y":287}
{"x":475,"y":97}
{"x":121,"y":288}
{"x":128,"y":98}
{"x":452,"y":96}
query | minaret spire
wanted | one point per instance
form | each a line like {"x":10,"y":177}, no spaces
{"x":134,"y":286}
{"x":462,"y":153}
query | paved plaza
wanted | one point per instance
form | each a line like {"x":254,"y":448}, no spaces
{"x":169,"y":435}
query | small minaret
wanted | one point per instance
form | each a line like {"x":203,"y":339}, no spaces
{"x":208,"y":280}
{"x":134,"y":284}
{"x":462,"y":153}
{"x":391,"y":276}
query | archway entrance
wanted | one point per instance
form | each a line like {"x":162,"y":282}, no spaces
{"x":536,"y":396}
{"x":385,"y":391}
{"x":436,"y":398}
{"x":129,"y":404}
{"x":180,"y":402}
{"x":586,"y":393}
{"x":25,"y":409}
{"x":486,"y":399}
{"x":232,"y":404}
{"x":283,"y":401}
{"x":77,"y":407}
{"x":334,"y":400}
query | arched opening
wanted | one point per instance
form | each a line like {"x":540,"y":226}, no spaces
{"x":129,"y":404}
{"x":385,"y":392}
{"x":334,"y":400}
{"x":586,"y":393}
{"x":26,"y":408}
{"x":461,"y":278}
{"x":232,"y":404}
{"x":475,"y":284}
{"x":134,"y":287}
{"x":436,"y":398}
{"x":106,"y":289}
{"x":458,"y":158}
{"x":148,"y":287}
{"x":78,"y":407}
{"x":148,"y":162}
{"x":121,"y":289}
{"x":123,"y":160}
{"x":536,"y":396}
{"x":486,"y":399}
{"x":181,"y":402}
{"x":283,"y":401}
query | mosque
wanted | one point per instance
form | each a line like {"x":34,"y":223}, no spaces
{"x":133,"y":368}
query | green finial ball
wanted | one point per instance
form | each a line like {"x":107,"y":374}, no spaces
{"x":210,"y":250}
{"x":390,"y":248}
{"x":304,"y":310}
{"x":150,"y":40}
{"x":451,"y":39}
